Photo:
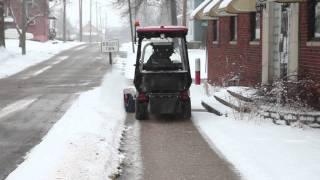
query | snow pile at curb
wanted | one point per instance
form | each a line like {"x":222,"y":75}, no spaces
{"x":84,"y":143}
{"x":260,"y":150}
{"x":12,"y":62}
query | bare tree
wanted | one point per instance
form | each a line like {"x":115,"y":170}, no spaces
{"x":167,"y":10}
{"x":184,"y":12}
{"x":173,"y":12}
{"x":64,"y":20}
{"x":2,"y":35}
{"x":38,"y":9}
{"x":80,"y":20}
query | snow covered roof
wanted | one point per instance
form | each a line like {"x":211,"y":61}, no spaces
{"x":8,"y":19}
{"x":12,"y":33}
{"x":198,"y":12}
{"x":222,"y":9}
{"x":211,"y":7}
{"x":224,"y":4}
{"x":88,"y":33}
{"x":227,"y":7}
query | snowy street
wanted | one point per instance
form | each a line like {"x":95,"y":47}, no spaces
{"x":33,"y":100}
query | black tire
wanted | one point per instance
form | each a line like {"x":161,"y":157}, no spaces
{"x":141,"y":110}
{"x":186,"y":110}
{"x":129,"y":104}
{"x":125,"y":103}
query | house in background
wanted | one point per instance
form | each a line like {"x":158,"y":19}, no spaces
{"x":96,"y":35}
{"x":250,"y":43}
{"x":39,"y":27}
{"x":196,"y":29}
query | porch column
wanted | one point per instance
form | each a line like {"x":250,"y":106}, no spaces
{"x":267,"y":42}
{"x":294,"y":42}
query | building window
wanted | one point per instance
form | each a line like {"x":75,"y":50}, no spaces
{"x":233,"y":28}
{"x":255,"y":26}
{"x":314,"y":23}
{"x":316,"y":29}
{"x":215,"y":29}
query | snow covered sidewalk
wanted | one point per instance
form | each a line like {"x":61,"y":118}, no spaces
{"x":12,"y":62}
{"x":257,"y":148}
{"x":84,"y":143}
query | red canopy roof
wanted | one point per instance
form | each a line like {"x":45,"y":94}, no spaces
{"x":162,"y":29}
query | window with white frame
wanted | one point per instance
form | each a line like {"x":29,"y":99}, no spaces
{"x":233,"y":28}
{"x":316,"y":33}
{"x":314,"y":20}
{"x":215,"y":29}
{"x":255,"y":26}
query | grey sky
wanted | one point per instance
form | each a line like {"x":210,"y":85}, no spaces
{"x":113,"y":14}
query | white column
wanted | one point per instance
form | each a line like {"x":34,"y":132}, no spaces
{"x":294,"y":42}
{"x":267,"y":41}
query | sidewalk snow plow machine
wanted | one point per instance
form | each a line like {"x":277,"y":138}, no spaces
{"x":162,"y":73}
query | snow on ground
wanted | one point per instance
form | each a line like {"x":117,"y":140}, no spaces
{"x":258,"y":149}
{"x":12,"y":62}
{"x":84,"y":143}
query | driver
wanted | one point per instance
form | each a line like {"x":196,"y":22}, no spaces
{"x":161,"y":55}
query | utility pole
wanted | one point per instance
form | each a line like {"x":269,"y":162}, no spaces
{"x":173,"y":8}
{"x":24,"y":27}
{"x":97,"y":20}
{"x":106,"y":26}
{"x":80,"y":19}
{"x":2,"y":36}
{"x":64,"y":20}
{"x":131,"y":24}
{"x":184,"y":13}
{"x":100,"y":21}
{"x":90,"y":37}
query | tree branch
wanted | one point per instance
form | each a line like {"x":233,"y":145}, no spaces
{"x":32,"y":19}
{"x":15,"y":20}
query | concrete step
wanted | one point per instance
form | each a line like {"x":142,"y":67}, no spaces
{"x":216,"y":107}
{"x":232,"y":102}
{"x":239,"y":96}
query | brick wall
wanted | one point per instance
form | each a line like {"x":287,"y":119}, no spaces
{"x":225,"y":59}
{"x":309,"y":60}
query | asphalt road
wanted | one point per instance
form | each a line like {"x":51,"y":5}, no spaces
{"x":171,"y":148}
{"x":33,"y":100}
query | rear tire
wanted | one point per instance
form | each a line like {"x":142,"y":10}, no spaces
{"x":141,"y":110}
{"x":186,"y":110}
{"x":129,"y":103}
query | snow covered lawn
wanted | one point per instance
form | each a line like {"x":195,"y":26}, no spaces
{"x":84,"y":143}
{"x":257,"y":148}
{"x":12,"y":62}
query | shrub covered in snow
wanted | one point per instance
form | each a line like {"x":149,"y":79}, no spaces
{"x":304,"y":93}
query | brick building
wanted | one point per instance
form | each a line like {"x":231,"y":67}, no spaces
{"x":309,"y":46}
{"x":234,"y":54}
{"x":233,"y":45}
{"x":39,"y":27}
{"x":249,"y":47}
